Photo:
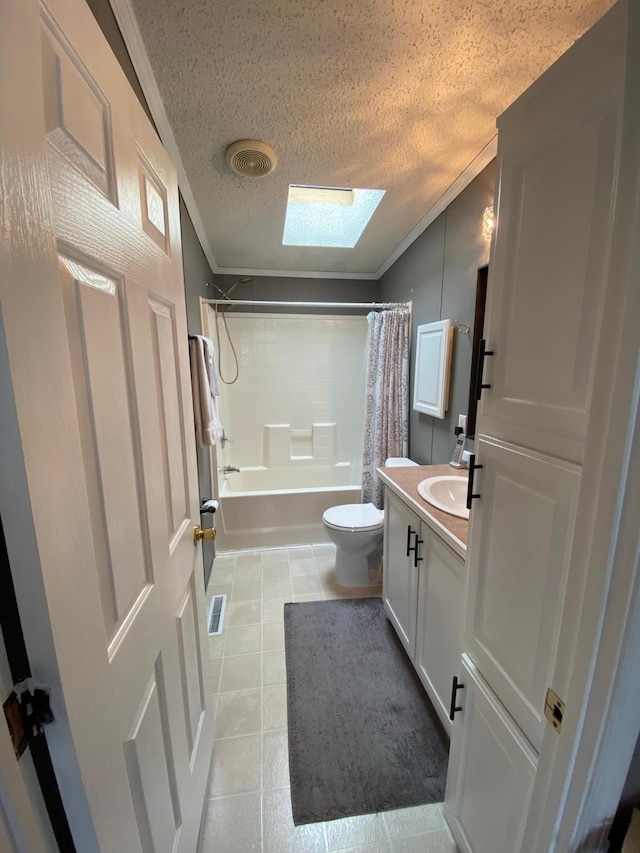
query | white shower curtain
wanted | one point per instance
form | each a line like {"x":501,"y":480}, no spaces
{"x":386,"y":408}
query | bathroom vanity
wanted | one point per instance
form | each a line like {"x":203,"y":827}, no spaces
{"x":424,"y":579}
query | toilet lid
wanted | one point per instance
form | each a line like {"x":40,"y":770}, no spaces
{"x":354,"y":517}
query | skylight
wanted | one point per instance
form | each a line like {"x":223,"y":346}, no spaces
{"x":328,"y":216}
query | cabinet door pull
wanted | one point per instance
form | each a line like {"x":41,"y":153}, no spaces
{"x":482,"y":352}
{"x":409,"y":532}
{"x":453,"y":709}
{"x":472,"y":470}
{"x":417,"y":559}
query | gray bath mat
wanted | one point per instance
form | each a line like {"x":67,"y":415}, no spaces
{"x":363,"y":736}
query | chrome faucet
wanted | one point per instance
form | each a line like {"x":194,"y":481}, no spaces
{"x":229,"y":469}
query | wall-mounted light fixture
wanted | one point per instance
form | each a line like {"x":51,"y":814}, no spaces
{"x":488,"y":223}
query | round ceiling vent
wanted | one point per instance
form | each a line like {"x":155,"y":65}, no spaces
{"x":251,"y":158}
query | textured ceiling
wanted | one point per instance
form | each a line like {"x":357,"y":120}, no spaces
{"x":399,"y":95}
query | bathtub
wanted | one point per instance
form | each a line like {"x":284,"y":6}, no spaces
{"x":271,"y":508}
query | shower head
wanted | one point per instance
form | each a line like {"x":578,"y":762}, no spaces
{"x":230,"y":289}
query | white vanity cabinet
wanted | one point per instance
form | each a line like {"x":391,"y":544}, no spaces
{"x":423,"y":593}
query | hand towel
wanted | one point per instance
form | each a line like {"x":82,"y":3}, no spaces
{"x":203,"y":380}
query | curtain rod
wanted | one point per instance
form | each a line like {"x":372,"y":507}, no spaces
{"x":272,"y":304}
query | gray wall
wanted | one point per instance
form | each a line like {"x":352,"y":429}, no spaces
{"x":299,"y":289}
{"x":196,"y":267}
{"x":438,"y":272}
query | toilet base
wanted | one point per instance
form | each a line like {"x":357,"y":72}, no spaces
{"x":352,"y":570}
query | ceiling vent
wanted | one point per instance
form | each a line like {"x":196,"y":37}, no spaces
{"x":251,"y":158}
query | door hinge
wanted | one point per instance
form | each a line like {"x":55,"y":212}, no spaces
{"x":554,"y":709}
{"x":26,"y":711}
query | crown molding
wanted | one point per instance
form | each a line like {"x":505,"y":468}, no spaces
{"x":128,"y":23}
{"x":362,"y":276}
{"x":461,"y":183}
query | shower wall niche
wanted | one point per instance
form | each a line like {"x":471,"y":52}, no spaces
{"x":296,"y":409}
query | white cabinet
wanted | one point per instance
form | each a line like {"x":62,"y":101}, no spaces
{"x":553,"y":296}
{"x":423,"y":593}
{"x":400,"y":572}
{"x":441,"y":601}
{"x":490,"y":761}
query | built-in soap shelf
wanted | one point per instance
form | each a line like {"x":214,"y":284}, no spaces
{"x":317,"y":444}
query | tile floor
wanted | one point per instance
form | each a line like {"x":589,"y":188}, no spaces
{"x":248,"y":804}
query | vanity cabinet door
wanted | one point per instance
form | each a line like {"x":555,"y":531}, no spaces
{"x":441,"y":602}
{"x":491,"y":772}
{"x":400,"y":575}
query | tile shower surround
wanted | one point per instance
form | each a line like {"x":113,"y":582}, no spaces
{"x":295,"y":370}
{"x":247,"y":804}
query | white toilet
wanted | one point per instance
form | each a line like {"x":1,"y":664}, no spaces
{"x":356,"y":530}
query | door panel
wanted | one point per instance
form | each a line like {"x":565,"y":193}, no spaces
{"x":548,"y":265}
{"x":400,"y":577}
{"x":522,"y":530}
{"x":106,"y":425}
{"x":490,"y":762}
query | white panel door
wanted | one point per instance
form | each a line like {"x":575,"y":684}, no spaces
{"x":520,"y":551}
{"x":491,"y":772}
{"x":400,"y":574}
{"x":547,"y":278}
{"x":441,"y":602}
{"x":94,"y":315}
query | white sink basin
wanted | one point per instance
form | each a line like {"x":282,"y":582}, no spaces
{"x":448,"y":493}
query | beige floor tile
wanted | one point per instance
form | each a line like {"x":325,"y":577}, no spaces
{"x":216,"y":646}
{"x":275,"y":760}
{"x":225,"y":561}
{"x":274,"y":670}
{"x":279,"y":833}
{"x":276,"y":587}
{"x":274,"y":707}
{"x":301,"y":552}
{"x":272,"y":636}
{"x":276,"y":556}
{"x":215,"y":665}
{"x":241,"y":672}
{"x":371,"y":847}
{"x":236,"y":766}
{"x":234,"y":821}
{"x":245,"y":557}
{"x":239,"y":714}
{"x":273,"y":609}
{"x":433,"y":842}
{"x":221,"y":574}
{"x":218,"y":589}
{"x":243,"y":613}
{"x":248,"y":572}
{"x":246,"y":591}
{"x":306,"y":585}
{"x":318,"y":596}
{"x":299,"y":568}
{"x":275,"y":570}
{"x":355,"y":831}
{"x":402,"y":823}
{"x":242,"y":639}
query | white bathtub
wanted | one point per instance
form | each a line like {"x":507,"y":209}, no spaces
{"x":270,"y":508}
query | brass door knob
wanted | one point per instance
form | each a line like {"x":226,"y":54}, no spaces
{"x":209,"y":534}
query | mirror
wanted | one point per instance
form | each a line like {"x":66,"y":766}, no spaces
{"x":478,"y":325}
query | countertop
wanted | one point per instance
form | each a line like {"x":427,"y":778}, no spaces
{"x":404,"y":482}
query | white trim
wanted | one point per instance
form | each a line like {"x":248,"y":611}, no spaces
{"x":365,"y":276}
{"x":463,"y":180}
{"x":128,"y":23}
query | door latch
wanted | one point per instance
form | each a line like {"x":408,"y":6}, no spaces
{"x":554,"y":709}
{"x":26,"y":710}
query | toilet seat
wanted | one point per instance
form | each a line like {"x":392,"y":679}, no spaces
{"x":354,"y":517}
